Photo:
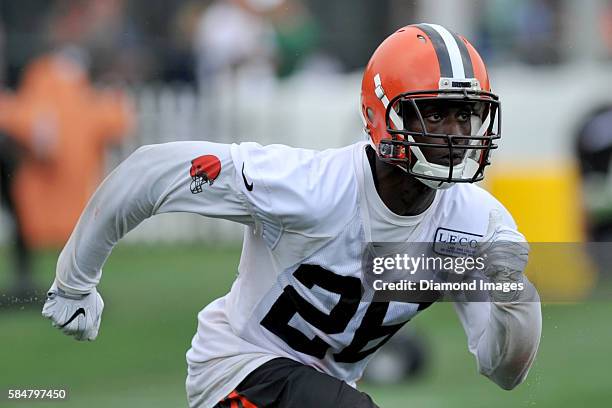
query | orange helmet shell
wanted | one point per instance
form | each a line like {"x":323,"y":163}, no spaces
{"x":416,"y":58}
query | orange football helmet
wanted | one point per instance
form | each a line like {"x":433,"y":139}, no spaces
{"x":421,"y":63}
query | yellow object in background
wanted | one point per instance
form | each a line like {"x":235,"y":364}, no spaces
{"x":545,"y":201}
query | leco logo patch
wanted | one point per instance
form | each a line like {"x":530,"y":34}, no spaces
{"x":455,"y":243}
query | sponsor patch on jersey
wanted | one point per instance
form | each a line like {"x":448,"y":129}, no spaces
{"x":451,"y":242}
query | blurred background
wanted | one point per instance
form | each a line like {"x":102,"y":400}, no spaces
{"x":85,"y":82}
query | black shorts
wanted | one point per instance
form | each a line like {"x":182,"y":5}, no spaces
{"x":284,"y":383}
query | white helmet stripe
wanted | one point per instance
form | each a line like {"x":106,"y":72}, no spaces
{"x":398,"y":122}
{"x":453,"y":50}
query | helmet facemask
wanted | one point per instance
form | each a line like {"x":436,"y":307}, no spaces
{"x":440,"y":160}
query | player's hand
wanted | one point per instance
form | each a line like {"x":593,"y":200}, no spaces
{"x":75,"y":315}
{"x":505,"y":256}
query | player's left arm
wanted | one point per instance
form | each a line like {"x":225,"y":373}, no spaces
{"x":504,"y":334}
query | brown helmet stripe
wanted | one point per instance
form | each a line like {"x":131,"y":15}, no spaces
{"x":446,"y":69}
{"x":468,"y":68}
{"x":451,"y":50}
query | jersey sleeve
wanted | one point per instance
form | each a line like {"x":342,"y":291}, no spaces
{"x":193,"y":177}
{"x":504,"y":337}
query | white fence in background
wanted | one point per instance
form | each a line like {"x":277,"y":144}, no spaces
{"x":541,"y":109}
{"x":289,"y":113}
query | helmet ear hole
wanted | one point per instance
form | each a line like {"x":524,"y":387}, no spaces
{"x":370,"y":114}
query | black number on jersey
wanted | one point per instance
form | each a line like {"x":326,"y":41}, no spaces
{"x":290,"y":302}
{"x":350,"y":290}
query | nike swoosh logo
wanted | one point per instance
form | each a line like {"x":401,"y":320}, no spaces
{"x":246,"y":183}
{"x":80,"y":311}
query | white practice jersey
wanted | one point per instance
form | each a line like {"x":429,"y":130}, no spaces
{"x":299,"y":292}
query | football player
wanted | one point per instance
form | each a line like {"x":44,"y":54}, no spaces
{"x":297,"y":327}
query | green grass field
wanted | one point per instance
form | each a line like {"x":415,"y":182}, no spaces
{"x":152,"y":295}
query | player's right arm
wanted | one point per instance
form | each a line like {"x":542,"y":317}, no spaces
{"x":153,"y":180}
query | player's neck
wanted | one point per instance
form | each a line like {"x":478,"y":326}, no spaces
{"x":400,"y":192}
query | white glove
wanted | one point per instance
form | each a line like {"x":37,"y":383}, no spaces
{"x":505,"y":258}
{"x":74,"y":314}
